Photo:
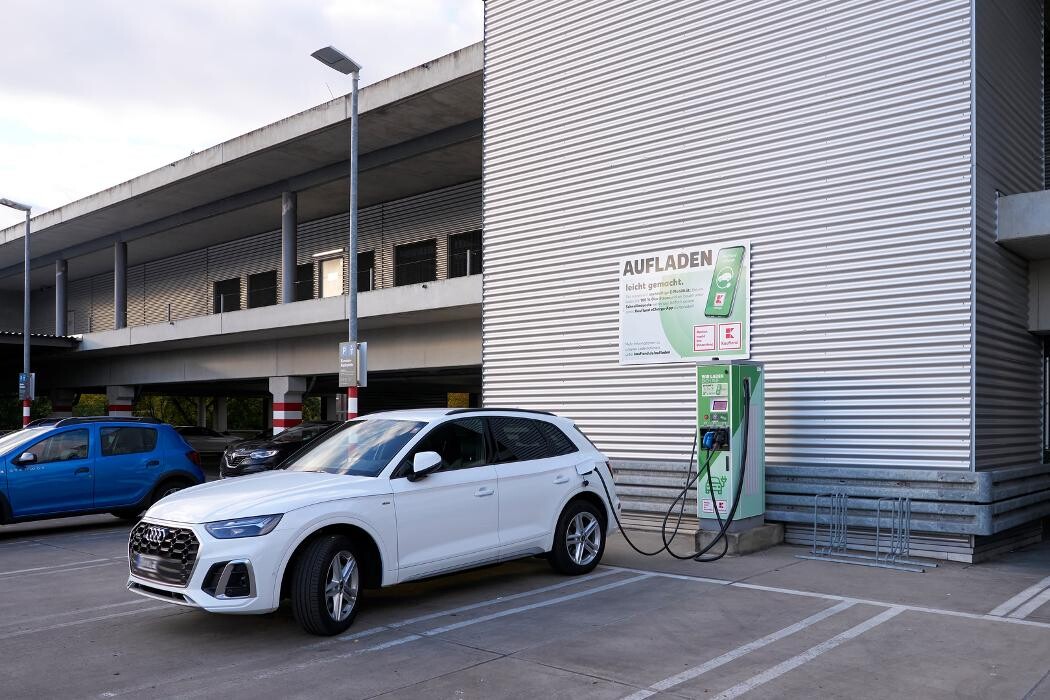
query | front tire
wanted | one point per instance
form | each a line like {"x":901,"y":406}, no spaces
{"x":326,"y":585}
{"x":579,"y":539}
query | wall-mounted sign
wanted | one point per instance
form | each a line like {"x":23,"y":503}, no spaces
{"x":686,"y":304}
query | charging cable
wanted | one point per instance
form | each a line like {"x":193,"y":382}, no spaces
{"x":710,"y":445}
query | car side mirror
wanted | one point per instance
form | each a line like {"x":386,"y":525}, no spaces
{"x":25,"y":458}
{"x":424,"y":463}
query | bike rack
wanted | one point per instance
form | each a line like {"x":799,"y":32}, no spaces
{"x":892,"y":538}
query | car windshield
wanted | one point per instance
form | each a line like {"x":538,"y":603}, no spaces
{"x":20,"y":436}
{"x":360,"y":448}
{"x":299,"y":432}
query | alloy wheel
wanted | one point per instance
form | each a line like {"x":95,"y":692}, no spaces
{"x":342,"y":585}
{"x":583,"y":538}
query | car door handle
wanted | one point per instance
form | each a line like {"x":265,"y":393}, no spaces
{"x":81,"y":470}
{"x":561,"y":479}
{"x":153,"y":463}
{"x":484,"y":491}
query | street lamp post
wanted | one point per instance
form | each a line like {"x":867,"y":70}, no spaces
{"x":27,"y":403}
{"x":336,"y":59}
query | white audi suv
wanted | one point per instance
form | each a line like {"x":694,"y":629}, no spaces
{"x":380,"y":500}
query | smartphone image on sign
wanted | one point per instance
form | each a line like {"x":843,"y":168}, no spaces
{"x":723,"y":281}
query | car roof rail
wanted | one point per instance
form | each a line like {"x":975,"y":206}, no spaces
{"x":457,"y":411}
{"x":106,"y":419}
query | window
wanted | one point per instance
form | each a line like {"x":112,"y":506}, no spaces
{"x":127,"y":441}
{"x":360,"y":448}
{"x":461,"y":444}
{"x":72,"y":444}
{"x":464,"y":254}
{"x":415,"y":262}
{"x":521,"y":439}
{"x":304,"y":282}
{"x":331,"y":277}
{"x":366,"y":271}
{"x":262,"y":289}
{"x":227,"y":295}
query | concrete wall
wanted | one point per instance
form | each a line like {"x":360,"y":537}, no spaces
{"x":11,"y":311}
{"x":433,"y":345}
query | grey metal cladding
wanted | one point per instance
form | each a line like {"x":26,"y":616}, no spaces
{"x":1009,"y":158}
{"x":835,"y":135}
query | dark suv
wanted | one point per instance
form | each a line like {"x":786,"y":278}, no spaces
{"x":263,"y":454}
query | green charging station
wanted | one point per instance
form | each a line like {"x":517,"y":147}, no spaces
{"x":723,"y":392}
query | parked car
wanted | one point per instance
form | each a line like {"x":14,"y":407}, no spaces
{"x":263,"y":454}
{"x":380,"y":500}
{"x":205,"y":440}
{"x":92,"y":465}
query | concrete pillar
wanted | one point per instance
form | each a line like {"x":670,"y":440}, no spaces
{"x":120,"y":400}
{"x":288,"y":246}
{"x":61,"y":270}
{"x":202,"y":412}
{"x":219,"y":414}
{"x":287,"y":393}
{"x":120,"y":285}
{"x":62,"y":401}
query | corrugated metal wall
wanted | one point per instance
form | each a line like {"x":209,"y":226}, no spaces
{"x":183,"y":283}
{"x":1009,"y":142}
{"x":835,"y":135}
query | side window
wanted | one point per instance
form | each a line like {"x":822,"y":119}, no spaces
{"x":127,"y":441}
{"x":461,"y":444}
{"x":559,"y":443}
{"x":518,"y":440}
{"x":72,"y":444}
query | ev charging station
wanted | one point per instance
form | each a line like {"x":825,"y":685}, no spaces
{"x":730,"y":428}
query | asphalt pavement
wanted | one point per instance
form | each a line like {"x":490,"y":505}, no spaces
{"x":767,"y":625}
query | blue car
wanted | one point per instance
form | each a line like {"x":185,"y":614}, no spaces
{"x":92,"y":465}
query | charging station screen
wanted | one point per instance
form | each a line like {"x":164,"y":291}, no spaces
{"x":720,"y":405}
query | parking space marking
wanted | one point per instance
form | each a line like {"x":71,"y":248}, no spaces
{"x":502,"y":599}
{"x":96,"y":608}
{"x":696,"y":671}
{"x":987,"y":617}
{"x":533,"y":606}
{"x":808,"y":655}
{"x":74,"y":623}
{"x":44,"y":569}
{"x":1032,"y":605}
{"x":1021,"y":597}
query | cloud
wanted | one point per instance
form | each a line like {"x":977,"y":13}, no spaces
{"x":96,"y":93}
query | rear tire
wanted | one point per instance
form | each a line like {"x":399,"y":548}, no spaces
{"x":326,"y":585}
{"x":579,"y":539}
{"x":166,"y":488}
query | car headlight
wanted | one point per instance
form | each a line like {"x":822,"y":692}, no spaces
{"x":242,"y":527}
{"x":262,"y":454}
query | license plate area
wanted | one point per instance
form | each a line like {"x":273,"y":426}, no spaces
{"x":146,"y":563}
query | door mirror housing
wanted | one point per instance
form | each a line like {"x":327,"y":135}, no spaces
{"x":25,"y":458}
{"x":424,"y":463}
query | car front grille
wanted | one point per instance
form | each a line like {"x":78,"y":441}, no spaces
{"x":161,"y":553}
{"x":235,"y":459}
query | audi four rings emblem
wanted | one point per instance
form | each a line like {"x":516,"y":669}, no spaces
{"x":154,"y":534}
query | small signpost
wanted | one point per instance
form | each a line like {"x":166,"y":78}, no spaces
{"x":353,"y":366}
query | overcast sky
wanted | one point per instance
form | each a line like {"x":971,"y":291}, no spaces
{"x":95,"y":92}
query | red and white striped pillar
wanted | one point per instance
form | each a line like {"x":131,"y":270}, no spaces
{"x":27,"y":407}
{"x":351,"y":402}
{"x":287,"y":395}
{"x":120,"y":400}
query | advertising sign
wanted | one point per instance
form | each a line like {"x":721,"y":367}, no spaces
{"x":686,"y":304}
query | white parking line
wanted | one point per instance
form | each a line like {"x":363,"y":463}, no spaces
{"x":689,"y":674}
{"x":533,"y":606}
{"x":67,"y":613}
{"x":502,"y":599}
{"x":1021,"y":597}
{"x":74,"y":623}
{"x":41,"y":569}
{"x":808,"y":655}
{"x":1032,"y":605}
